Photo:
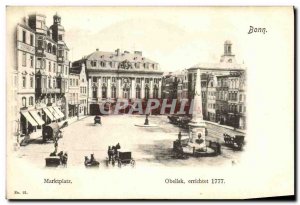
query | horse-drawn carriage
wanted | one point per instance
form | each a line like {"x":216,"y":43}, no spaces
{"x":89,"y":163}
{"x":124,"y":158}
{"x":51,"y":131}
{"x":180,"y":120}
{"x":56,"y":160}
{"x":236,"y":142}
{"x":97,"y":120}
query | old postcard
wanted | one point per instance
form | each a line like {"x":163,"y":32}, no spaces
{"x":150,"y":102}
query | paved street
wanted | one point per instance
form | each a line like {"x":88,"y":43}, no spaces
{"x":151,"y":146}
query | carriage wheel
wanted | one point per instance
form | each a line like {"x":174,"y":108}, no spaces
{"x":132,"y":162}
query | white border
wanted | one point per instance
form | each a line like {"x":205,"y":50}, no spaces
{"x":91,"y":3}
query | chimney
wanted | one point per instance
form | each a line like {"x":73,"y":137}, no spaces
{"x":97,"y":49}
{"x":117,"y":52}
{"x":138,"y":53}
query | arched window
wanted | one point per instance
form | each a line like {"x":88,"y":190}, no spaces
{"x":113,"y":92}
{"x":155,"y":92}
{"x":126,"y":92}
{"x":24,"y":101}
{"x":54,"y":49}
{"x":30,"y":100}
{"x":104,"y":92}
{"x":147,"y":92}
{"x":138,"y":92}
{"x":49,"y":48}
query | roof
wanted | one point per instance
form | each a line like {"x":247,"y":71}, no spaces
{"x":219,"y":66}
{"x":75,"y":70}
{"x":112,"y":56}
{"x":26,"y":27}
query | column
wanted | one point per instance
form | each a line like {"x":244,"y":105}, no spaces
{"x":99,"y":94}
{"x":108,"y":94}
{"x":133,"y":88}
{"x":159,"y":88}
{"x":151,"y":88}
{"x":119,"y":88}
{"x":143,"y":88}
{"x":90,"y":88}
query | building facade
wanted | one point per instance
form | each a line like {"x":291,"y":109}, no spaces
{"x":79,"y":90}
{"x":211,"y":99}
{"x":39,"y":93}
{"x":220,"y":89}
{"x":222,"y":100}
{"x":120,"y":75}
{"x":24,"y":79}
{"x":74,"y":93}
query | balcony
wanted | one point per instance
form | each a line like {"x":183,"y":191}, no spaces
{"x":74,"y":102}
{"x":47,"y":90}
{"x":41,"y":90}
{"x":62,"y":90}
{"x":60,"y":59}
{"x":53,"y":90}
{"x":39,"y":51}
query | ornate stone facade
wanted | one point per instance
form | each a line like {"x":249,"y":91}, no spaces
{"x":120,"y":75}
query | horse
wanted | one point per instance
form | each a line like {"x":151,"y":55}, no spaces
{"x":64,"y":159}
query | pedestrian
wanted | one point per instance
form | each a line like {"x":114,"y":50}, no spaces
{"x":92,"y":158}
{"x":110,"y":153}
{"x":65,"y":159}
{"x":55,"y":144}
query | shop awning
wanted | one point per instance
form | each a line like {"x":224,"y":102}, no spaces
{"x":37,"y":118}
{"x":59,"y":112}
{"x":29,"y":118}
{"x":53,"y":112}
{"x":48,"y":113}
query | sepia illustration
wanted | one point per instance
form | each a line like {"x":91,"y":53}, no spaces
{"x":124,"y":96}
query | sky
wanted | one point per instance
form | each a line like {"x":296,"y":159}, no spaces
{"x":176,"y":38}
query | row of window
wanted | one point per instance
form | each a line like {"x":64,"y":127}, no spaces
{"x":24,"y":60}
{"x":73,"y":97}
{"x":113,"y":79}
{"x":233,"y":96}
{"x":114,"y":64}
{"x":43,"y":44}
{"x":234,"y":83}
{"x":41,"y":63}
{"x":74,"y":82}
{"x":211,"y":105}
{"x":24,"y":101}
{"x":237,"y":108}
{"x":126,"y":92}
{"x":24,"y":81}
{"x":83,"y":90}
{"x":24,"y":38}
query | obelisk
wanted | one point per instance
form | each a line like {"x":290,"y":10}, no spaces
{"x":197,"y":125}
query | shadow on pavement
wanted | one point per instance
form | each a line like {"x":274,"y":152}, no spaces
{"x":161,"y":150}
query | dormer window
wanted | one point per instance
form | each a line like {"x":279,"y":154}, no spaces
{"x":102,"y":63}
{"x":137,"y":65}
{"x":93,"y":63}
